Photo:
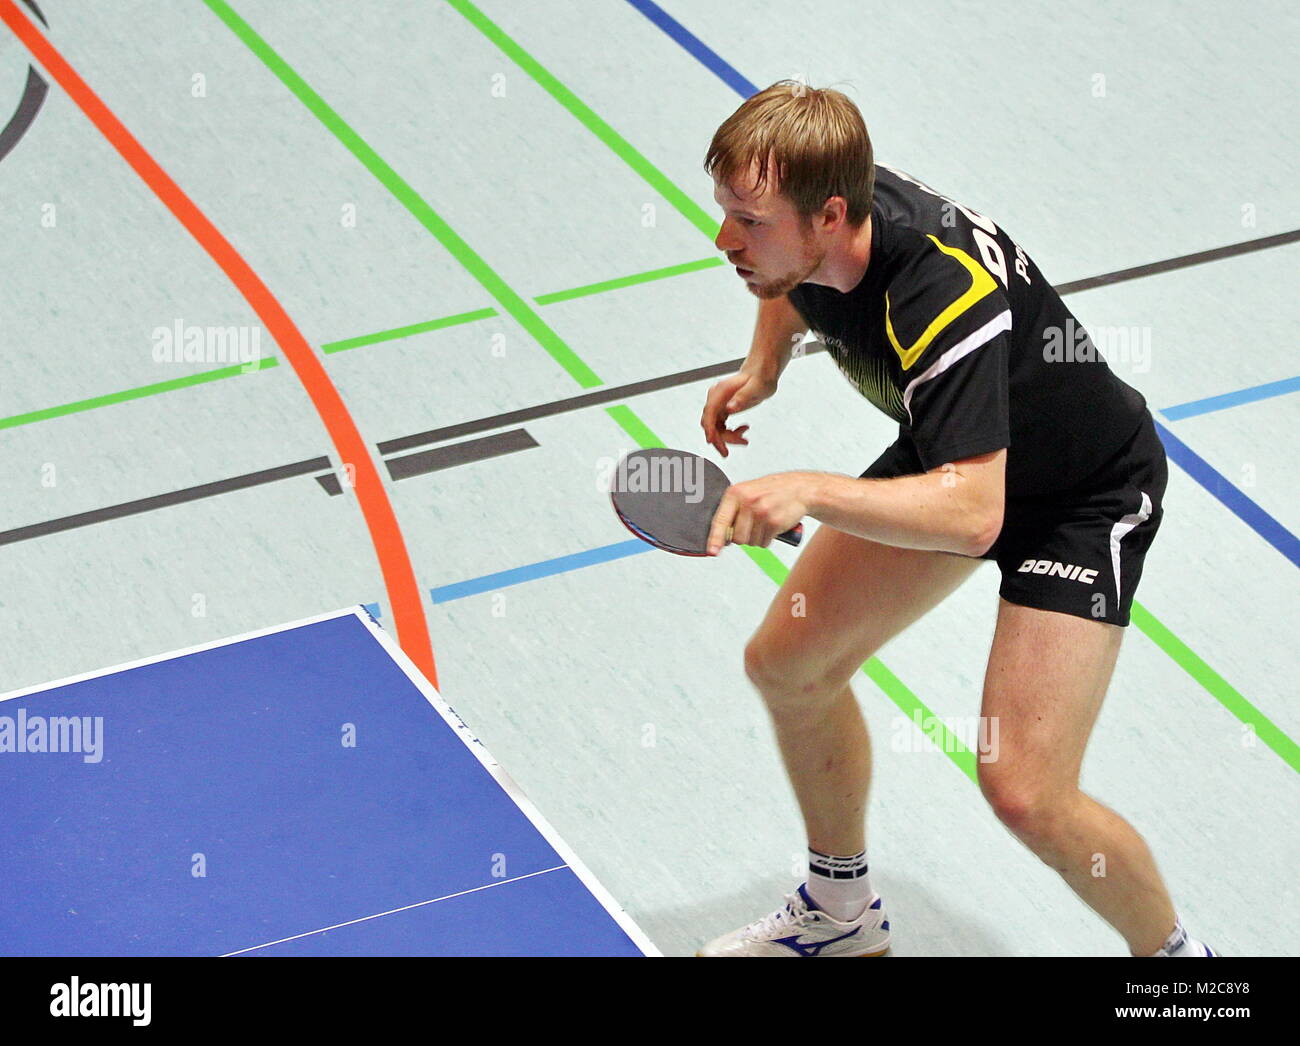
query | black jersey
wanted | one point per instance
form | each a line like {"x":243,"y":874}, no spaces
{"x":954,"y":333}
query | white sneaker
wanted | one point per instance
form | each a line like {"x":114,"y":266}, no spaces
{"x":801,"y":929}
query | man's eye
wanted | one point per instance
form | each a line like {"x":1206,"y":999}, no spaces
{"x":748,"y":221}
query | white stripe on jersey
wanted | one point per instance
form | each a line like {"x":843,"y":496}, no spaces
{"x":1001,"y":322}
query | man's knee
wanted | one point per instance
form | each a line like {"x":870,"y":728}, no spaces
{"x":789,"y":672}
{"x":1030,"y":809}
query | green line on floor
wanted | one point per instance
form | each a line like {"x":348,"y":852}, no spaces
{"x":110,"y":398}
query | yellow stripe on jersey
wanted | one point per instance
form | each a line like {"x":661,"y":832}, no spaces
{"x":981,"y":284}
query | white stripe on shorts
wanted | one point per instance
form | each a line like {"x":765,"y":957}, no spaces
{"x":1117,"y":533}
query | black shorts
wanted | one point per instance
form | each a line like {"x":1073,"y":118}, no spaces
{"x":1080,"y":551}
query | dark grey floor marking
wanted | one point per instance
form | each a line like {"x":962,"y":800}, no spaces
{"x":587,"y":399}
{"x":1181,"y":262}
{"x":31,"y":6}
{"x":30,"y":103}
{"x":445,"y":457}
{"x":330,"y":483}
{"x":459,"y":454}
{"x":28,"y":106}
{"x":176,"y":497}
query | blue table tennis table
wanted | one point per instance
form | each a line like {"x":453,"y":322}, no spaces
{"x":301,"y":790}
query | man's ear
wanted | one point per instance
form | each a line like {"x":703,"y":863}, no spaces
{"x":833,"y":214}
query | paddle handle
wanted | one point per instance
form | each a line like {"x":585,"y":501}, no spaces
{"x":792,"y":536}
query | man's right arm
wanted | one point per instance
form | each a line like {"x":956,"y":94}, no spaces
{"x":778,"y":329}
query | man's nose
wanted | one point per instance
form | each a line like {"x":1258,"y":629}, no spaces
{"x":726,"y":240}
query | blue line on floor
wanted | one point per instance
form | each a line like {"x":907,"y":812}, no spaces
{"x":692,"y":43}
{"x":547,"y":567}
{"x":1241,"y":506}
{"x":1232,"y":399}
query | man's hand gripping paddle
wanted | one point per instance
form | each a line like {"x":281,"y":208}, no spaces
{"x":668,"y":498}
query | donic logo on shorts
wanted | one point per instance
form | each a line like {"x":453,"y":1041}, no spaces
{"x":1054,"y":569}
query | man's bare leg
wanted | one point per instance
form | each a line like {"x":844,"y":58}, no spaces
{"x":1047,"y":675}
{"x":844,"y":598}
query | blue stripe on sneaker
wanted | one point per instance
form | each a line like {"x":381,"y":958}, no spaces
{"x":812,"y":949}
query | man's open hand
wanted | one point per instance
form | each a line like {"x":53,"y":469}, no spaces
{"x":732,"y":394}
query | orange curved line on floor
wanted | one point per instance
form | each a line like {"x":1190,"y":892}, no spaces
{"x":385,"y":534}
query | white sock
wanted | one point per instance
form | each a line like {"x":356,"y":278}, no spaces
{"x":1179,"y":945}
{"x":839,"y":886}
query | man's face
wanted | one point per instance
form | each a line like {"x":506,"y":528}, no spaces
{"x":763,"y":235}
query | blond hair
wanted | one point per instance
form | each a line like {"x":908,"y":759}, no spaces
{"x":816,"y":140}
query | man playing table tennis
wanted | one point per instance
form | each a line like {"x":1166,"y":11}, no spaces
{"x":1016,"y":443}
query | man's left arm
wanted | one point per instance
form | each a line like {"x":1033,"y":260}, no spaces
{"x":957,"y":507}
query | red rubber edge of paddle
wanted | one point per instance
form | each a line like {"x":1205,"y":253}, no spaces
{"x":646,"y":537}
{"x":792,"y":536}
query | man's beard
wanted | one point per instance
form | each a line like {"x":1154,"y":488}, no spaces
{"x":784,"y":284}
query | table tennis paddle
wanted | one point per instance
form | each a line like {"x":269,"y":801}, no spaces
{"x":668,"y":498}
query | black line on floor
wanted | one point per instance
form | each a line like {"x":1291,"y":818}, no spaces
{"x":34,"y":92}
{"x":1183,"y":261}
{"x":176,"y":497}
{"x":544,"y":410}
{"x":444,"y":457}
{"x":459,"y":454}
{"x":31,"y":6}
{"x":24,"y":116}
